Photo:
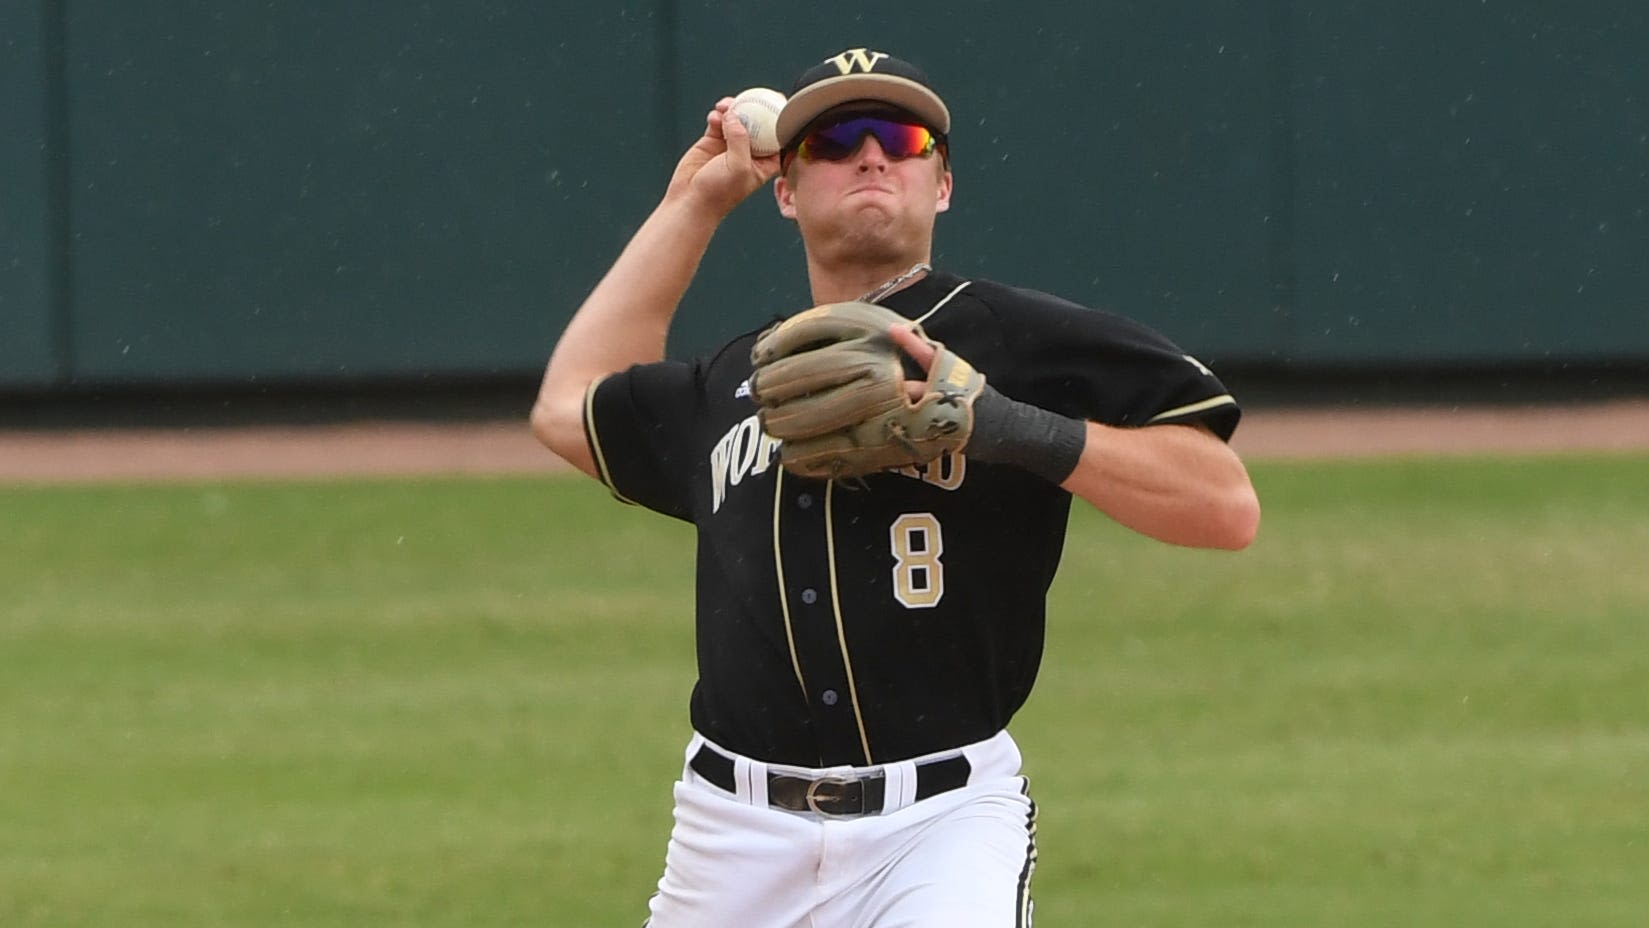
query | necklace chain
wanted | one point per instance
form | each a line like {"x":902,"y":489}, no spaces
{"x":876,"y":295}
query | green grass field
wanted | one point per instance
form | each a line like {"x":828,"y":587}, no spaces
{"x":1421,"y":699}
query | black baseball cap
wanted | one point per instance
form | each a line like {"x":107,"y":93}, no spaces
{"x":860,"y":74}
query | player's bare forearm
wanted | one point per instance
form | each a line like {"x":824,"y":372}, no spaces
{"x":1175,"y":483}
{"x":624,"y":321}
{"x":626,"y":318}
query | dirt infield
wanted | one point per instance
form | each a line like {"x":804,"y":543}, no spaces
{"x":504,"y":447}
{"x":1621,"y":425}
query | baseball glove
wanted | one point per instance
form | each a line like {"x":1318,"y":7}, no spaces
{"x":830,"y":384}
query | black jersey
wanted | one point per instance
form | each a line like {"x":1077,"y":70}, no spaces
{"x":862,"y":623}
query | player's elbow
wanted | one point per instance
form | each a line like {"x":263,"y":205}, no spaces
{"x":1227,"y":519}
{"x":1230,"y":504}
{"x":545,"y":424}
{"x":1237,"y":521}
{"x":558,"y":424}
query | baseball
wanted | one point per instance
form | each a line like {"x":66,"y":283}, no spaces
{"x":758,"y":108}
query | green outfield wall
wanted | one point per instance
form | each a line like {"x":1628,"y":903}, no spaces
{"x":206,"y":193}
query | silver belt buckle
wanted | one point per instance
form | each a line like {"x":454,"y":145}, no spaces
{"x":812,"y":792}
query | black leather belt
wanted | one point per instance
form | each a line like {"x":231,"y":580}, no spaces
{"x":836,"y":796}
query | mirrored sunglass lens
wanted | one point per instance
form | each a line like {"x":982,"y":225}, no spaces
{"x":829,"y":143}
{"x":902,"y":141}
{"x":835,"y":142}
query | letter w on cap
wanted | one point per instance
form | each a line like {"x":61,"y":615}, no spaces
{"x":857,"y":59}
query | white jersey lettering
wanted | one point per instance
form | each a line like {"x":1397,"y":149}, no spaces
{"x":743,"y":451}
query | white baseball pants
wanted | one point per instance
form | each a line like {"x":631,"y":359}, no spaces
{"x":960,"y":859}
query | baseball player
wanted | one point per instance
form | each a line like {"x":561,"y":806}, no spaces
{"x":867,"y":629}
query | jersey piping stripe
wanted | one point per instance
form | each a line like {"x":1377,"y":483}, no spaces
{"x":1224,"y":399}
{"x":595,"y":441}
{"x":836,"y":605}
{"x":778,"y":571}
{"x":936,"y":307}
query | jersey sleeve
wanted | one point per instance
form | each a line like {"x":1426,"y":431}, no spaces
{"x":638,"y":424}
{"x":1117,"y":371}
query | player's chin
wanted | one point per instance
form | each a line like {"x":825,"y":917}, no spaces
{"x":876,"y":234}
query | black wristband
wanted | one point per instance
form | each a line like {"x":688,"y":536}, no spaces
{"x":1006,"y":431}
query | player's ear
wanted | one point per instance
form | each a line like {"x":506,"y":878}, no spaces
{"x":946,"y":182}
{"x":785,"y":197}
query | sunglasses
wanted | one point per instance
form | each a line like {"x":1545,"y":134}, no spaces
{"x":837,"y":141}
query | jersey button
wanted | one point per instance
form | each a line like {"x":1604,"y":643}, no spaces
{"x":805,"y":501}
{"x":828,"y":697}
{"x":810,"y":596}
